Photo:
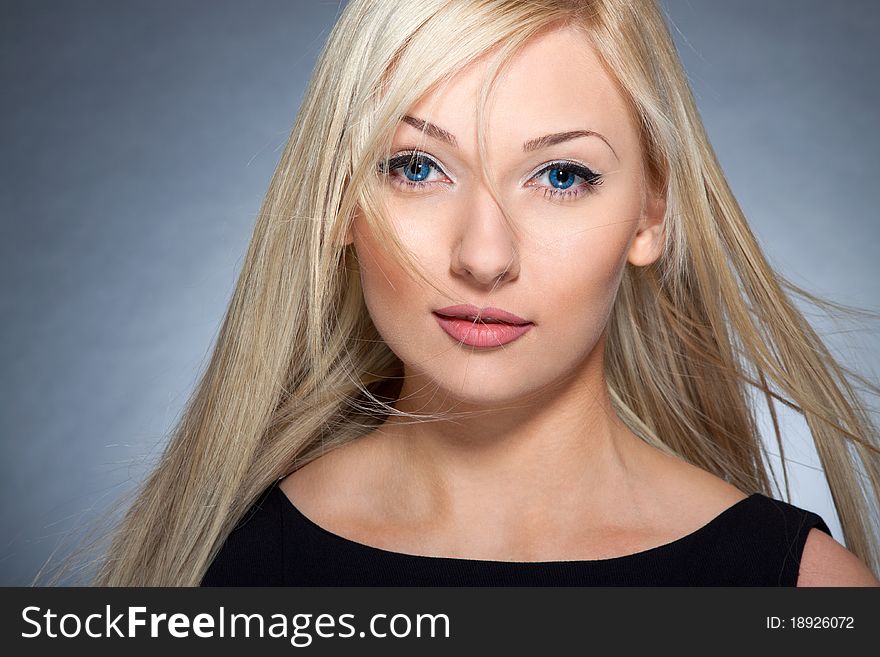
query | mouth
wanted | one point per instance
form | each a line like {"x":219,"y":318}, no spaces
{"x":485,"y":330}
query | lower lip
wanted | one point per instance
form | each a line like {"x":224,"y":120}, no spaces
{"x":475,"y":334}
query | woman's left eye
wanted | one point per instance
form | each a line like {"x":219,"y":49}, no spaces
{"x":562,"y":175}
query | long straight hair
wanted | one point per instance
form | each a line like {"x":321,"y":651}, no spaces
{"x":298,"y":368}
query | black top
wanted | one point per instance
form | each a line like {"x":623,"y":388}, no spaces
{"x":756,"y":542}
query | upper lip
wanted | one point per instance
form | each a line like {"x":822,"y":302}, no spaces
{"x":470,"y":311}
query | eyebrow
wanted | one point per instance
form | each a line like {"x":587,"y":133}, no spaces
{"x":552,"y":139}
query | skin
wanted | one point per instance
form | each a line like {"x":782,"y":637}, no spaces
{"x":540,"y":468}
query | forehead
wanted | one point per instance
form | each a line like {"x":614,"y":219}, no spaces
{"x":555,"y":82}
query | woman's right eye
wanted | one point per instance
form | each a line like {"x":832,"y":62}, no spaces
{"x":411,"y":169}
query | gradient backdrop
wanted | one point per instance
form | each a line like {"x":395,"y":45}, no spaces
{"x":139,"y":137}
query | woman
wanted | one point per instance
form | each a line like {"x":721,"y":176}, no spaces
{"x":497,"y":324}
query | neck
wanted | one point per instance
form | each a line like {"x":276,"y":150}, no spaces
{"x":555,"y":450}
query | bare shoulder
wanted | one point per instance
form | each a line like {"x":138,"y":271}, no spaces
{"x":335,"y":482}
{"x":687,"y":491}
{"x":825,"y":562}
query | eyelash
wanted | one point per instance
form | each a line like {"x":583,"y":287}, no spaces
{"x":591,"y":178}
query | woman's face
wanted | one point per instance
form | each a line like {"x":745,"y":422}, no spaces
{"x":579,"y":210}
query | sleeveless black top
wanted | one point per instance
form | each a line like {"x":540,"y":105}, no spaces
{"x":756,"y":542}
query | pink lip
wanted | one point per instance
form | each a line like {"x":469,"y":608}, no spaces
{"x":476,"y":334}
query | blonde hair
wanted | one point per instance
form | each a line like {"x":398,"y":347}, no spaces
{"x":298,"y":367}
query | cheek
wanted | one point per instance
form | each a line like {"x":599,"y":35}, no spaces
{"x":420,"y":237}
{"x":389,"y":292}
{"x":587,"y":265}
{"x":580,"y":280}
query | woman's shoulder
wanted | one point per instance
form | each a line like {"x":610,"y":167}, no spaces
{"x":684,"y":496}
{"x":800,"y":537}
{"x":799,"y":543}
{"x":825,"y":562}
{"x":794,"y":540}
{"x":343,"y":488}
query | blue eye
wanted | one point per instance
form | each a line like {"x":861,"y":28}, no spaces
{"x":562,"y":176}
{"x":417,"y":171}
{"x":416,"y":168}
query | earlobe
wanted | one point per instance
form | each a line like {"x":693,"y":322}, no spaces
{"x":649,"y":239}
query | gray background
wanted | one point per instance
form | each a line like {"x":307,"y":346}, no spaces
{"x":139,"y":137}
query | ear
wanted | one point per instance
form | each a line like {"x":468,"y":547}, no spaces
{"x":647,"y":245}
{"x":349,"y":232}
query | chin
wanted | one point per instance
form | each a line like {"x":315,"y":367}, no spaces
{"x":474,"y":387}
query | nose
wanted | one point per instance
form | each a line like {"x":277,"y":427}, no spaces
{"x":486,"y":250}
